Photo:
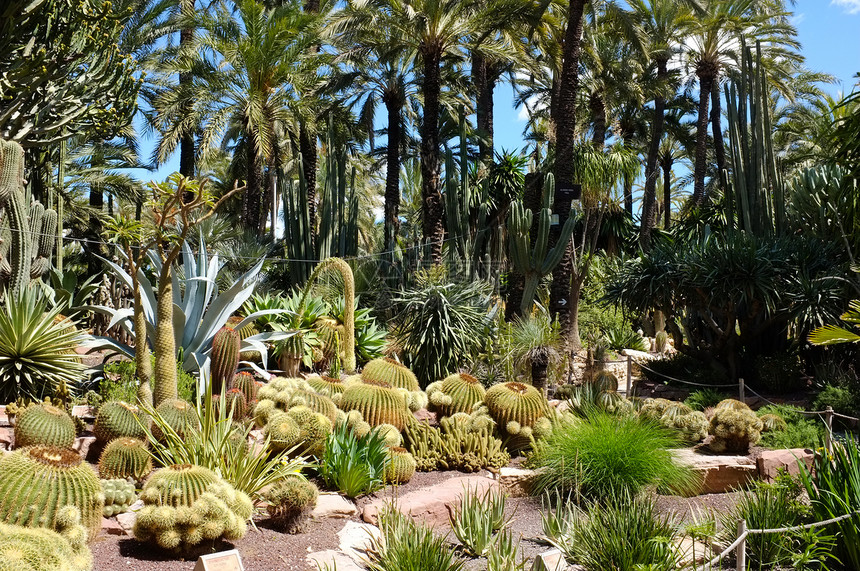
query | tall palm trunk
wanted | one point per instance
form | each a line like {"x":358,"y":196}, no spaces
{"x":649,"y":195}
{"x":717,"y":126}
{"x":707,"y":72}
{"x":565,"y":133}
{"x":484,"y":79}
{"x":393,"y":104}
{"x":433,"y":229}
{"x":251,"y":198}
{"x":598,"y":119}
{"x":308,"y":149}
{"x":667,"y":192}
{"x":186,"y":143}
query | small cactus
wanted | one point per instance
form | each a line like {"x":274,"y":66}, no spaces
{"x":225,"y":357}
{"x":119,"y":495}
{"x":245,"y":382}
{"x":44,"y":424}
{"x":125,"y":458}
{"x":401,"y":466}
{"x":35,"y":549}
{"x":290,"y":501}
{"x":283,"y":432}
{"x":118,"y":419}
{"x":661,"y":342}
{"x":772,"y":423}
{"x":516,"y":408}
{"x":178,"y":415}
{"x":459,"y":392}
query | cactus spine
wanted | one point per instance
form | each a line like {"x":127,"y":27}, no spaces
{"x":44,"y":424}
{"x":125,"y":458}
{"x":401,"y":466}
{"x":117,"y":419}
{"x":225,"y":357}
{"x":378,"y":403}
{"x":459,"y":392}
{"x":27,"y":549}
{"x":391,"y":372}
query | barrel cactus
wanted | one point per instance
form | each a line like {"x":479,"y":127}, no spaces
{"x":117,"y":419}
{"x":653,"y":409}
{"x":185,"y":505}
{"x":389,"y":434}
{"x":772,"y":423}
{"x":125,"y":458}
{"x":455,"y":393}
{"x":732,"y":404}
{"x":38,"y":482}
{"x":225,"y":357}
{"x":316,"y":402}
{"x":314,"y":428}
{"x":401,"y":466}
{"x":290,"y":501}
{"x":119,"y":495}
{"x":390,"y":371}
{"x":283,"y":432}
{"x":516,"y":409}
{"x":692,"y":426}
{"x":604,"y":381}
{"x":734,"y":430}
{"x":62,"y":549}
{"x":377,"y":402}
{"x":44,"y":424}
{"x":178,"y":414}
{"x":245,"y":382}
{"x":327,"y":386}
{"x":235,"y":401}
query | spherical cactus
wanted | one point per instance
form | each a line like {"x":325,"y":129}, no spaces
{"x":653,"y":409}
{"x":178,"y":415}
{"x":516,"y":407}
{"x":117,"y":419}
{"x":263,"y":410}
{"x":772,"y":423}
{"x":390,"y":435}
{"x":734,"y":430}
{"x":378,"y":404}
{"x":316,"y":402}
{"x":290,"y":500}
{"x":326,"y":385}
{"x":455,"y":393}
{"x":282,"y":431}
{"x":29,"y":549}
{"x":675,"y":410}
{"x":314,"y":428}
{"x":401,"y":466}
{"x":605,"y":381}
{"x":44,"y":424}
{"x":732,"y":404}
{"x":692,"y":426}
{"x":187,"y":505}
{"x":37,"y":482}
{"x":245,"y":382}
{"x":225,"y":357}
{"x":661,"y":342}
{"x":119,"y":495}
{"x":125,"y":458}
{"x":390,"y":371}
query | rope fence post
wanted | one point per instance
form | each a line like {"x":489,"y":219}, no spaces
{"x":741,"y":390}
{"x":629,"y":376}
{"x":741,"y":552}
{"x":828,"y":435}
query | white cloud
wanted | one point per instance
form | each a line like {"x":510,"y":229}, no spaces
{"x":851,"y":6}
{"x":797,"y":19}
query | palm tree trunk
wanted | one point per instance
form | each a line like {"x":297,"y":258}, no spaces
{"x":565,"y":135}
{"x":433,"y":229}
{"x":308,"y":149}
{"x":485,"y":84}
{"x":251,"y":198}
{"x":667,"y":194}
{"x":392,"y":176}
{"x":649,"y":195}
{"x":539,"y":369}
{"x":717,"y":127}
{"x":186,"y":142}
{"x":707,"y":73}
{"x":598,"y":119}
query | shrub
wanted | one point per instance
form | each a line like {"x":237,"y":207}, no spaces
{"x":704,"y":398}
{"x":406,"y":546}
{"x":605,"y":456}
{"x":624,"y":338}
{"x":684,"y":367}
{"x":842,"y":399}
{"x":120,"y":383}
{"x":354,"y":466}
{"x":801,"y":431}
{"x":476,"y":520}
{"x":779,"y":373}
{"x":624,"y":533}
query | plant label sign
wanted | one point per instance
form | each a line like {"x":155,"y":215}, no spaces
{"x":567,"y":190}
{"x":223,"y":561}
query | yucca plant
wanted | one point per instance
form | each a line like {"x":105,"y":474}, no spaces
{"x":37,"y":348}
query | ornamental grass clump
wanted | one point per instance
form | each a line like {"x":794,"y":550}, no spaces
{"x":407,"y":546}
{"x":606,"y":456}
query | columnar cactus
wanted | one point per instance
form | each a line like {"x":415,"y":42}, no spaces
{"x":38,"y":482}
{"x":118,"y":419}
{"x":44,"y":424}
{"x":401,"y":466}
{"x":225,"y":357}
{"x":245,"y":382}
{"x":119,"y":495}
{"x":235,"y":400}
{"x":455,"y":393}
{"x":62,"y":549}
{"x":290,"y":501}
{"x":125,"y":458}
{"x":377,"y":402}
{"x":348,"y":341}
{"x":391,"y":372}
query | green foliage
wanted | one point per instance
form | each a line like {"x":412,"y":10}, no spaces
{"x":116,"y":419}
{"x":455,"y":446}
{"x":406,"y":546}
{"x":781,"y":373}
{"x":506,"y":555}
{"x":401,"y":465}
{"x":119,"y":382}
{"x":608,"y":456}
{"x":44,"y":424}
{"x":459,"y":392}
{"x":289,"y":502}
{"x":440,"y":325}
{"x":686,"y":368}
{"x":842,"y":399}
{"x":40,"y":481}
{"x":390,"y":371}
{"x":623,"y":533}
{"x":700,"y":399}
{"x":119,"y":495}
{"x":179,"y":415}
{"x":477,"y":518}
{"x":29,"y":549}
{"x":733,"y":429}
{"x":125,"y":458}
{"x":354,"y":466}
{"x":833,"y":487}
{"x":37,"y":348}
{"x":377,"y":402}
{"x":624,"y":338}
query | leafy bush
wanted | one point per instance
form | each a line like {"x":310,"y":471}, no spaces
{"x":354,"y":466}
{"x":405,"y":546}
{"x":477,"y":519}
{"x":802,"y":431}
{"x":624,"y":533}
{"x":705,"y":398}
{"x":841,"y":398}
{"x":606,"y":456}
{"x":624,"y":338}
{"x":779,"y":373}
{"x":119,"y":382}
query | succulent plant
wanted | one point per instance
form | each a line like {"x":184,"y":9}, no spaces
{"x":734,"y":430}
{"x":661,"y":342}
{"x":178,"y":414}
{"x":401,"y":466}
{"x":283,"y":432}
{"x":459,"y":392}
{"x":316,"y":402}
{"x":35,"y":549}
{"x":125,"y":458}
{"x":44,"y":424}
{"x":390,"y":371}
{"x":39,"y":481}
{"x":326,"y":385}
{"x":732,"y":404}
{"x":605,"y":381}
{"x":224,"y":357}
{"x":117,"y":419}
{"x":693,"y":426}
{"x":772,"y":423}
{"x":185,"y":505}
{"x":516,"y":408}
{"x":425,"y":444}
{"x":119,"y":495}
{"x":234,"y":400}
{"x":356,"y":424}
{"x":390,"y":434}
{"x":457,"y":444}
{"x":290,"y":500}
{"x":377,"y":402}
{"x":675,"y":410}
{"x":314,"y":428}
{"x":245,"y":382}
{"x":653,"y":409}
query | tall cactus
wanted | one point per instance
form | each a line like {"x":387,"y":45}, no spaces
{"x":348,"y":306}
{"x":535,"y":262}
{"x":225,"y":357}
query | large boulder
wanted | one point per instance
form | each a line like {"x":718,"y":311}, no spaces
{"x":718,"y":474}
{"x":771,"y":462}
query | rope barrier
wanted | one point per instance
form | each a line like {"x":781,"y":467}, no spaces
{"x":641,"y":366}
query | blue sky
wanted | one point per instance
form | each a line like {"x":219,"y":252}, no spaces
{"x":828,"y":29}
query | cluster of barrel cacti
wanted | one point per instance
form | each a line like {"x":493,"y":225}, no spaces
{"x":119,"y":495}
{"x":734,"y":427}
{"x":63,"y":548}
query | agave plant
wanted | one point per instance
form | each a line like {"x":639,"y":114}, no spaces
{"x":199,"y":310}
{"x":37,"y":348}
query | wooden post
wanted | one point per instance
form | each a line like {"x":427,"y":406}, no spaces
{"x":741,"y":551}
{"x":828,"y":435}
{"x":629,"y":376}
{"x":741,"y":391}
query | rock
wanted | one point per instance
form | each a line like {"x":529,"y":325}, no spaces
{"x":772,"y":461}
{"x":551,"y":560}
{"x":692,"y":553}
{"x":424,"y":415}
{"x":333,"y":505}
{"x":136,"y":506}
{"x":516,"y":482}
{"x":356,"y":538}
{"x":112,"y":527}
{"x":83,"y":411}
{"x":7,"y":438}
{"x":82,"y":446}
{"x":126,"y":521}
{"x":334,"y":560}
{"x":429,"y":506}
{"x":718,"y":474}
